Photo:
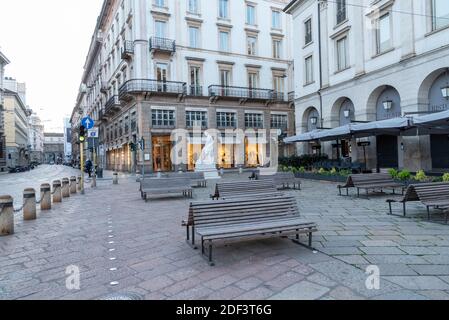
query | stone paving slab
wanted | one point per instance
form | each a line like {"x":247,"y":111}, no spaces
{"x":150,"y":257}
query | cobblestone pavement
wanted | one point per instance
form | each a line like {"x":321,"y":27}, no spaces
{"x":124,"y":245}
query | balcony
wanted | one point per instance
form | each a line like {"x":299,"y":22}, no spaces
{"x":156,"y":87}
{"x":195,"y":91}
{"x":104,"y":87}
{"x":112,"y":105}
{"x":162,"y":45}
{"x":245,"y":94}
{"x":127,"y":50}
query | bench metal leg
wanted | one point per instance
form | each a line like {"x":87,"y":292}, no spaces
{"x":358,"y":193}
{"x":391,"y":210}
{"x":404,"y":208}
{"x":211,"y":263}
{"x":310,"y":239}
{"x":428,"y":213}
{"x":191,"y":243}
{"x":339,"y":190}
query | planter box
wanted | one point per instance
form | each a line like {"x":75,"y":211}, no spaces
{"x":321,"y":177}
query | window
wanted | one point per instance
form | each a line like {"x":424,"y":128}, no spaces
{"x":225,"y":78}
{"x":163,"y":118}
{"x":193,"y":6}
{"x":440,"y":14}
{"x":383,"y":33}
{"x":223,"y":6}
{"x":254,"y":120}
{"x":342,"y":54}
{"x":133,"y":122}
{"x":194,"y":37}
{"x":253,"y":80}
{"x":224,"y":41}
{"x":276,"y":19}
{"x":252,"y":46}
{"x":159,"y":3}
{"x":278,"y":84}
{"x":161,"y":29}
{"x":308,"y":31}
{"x":277,"y":48}
{"x":226,"y":120}
{"x":309,"y":69}
{"x":126,"y":125}
{"x":196,"y":118}
{"x":195,"y":82}
{"x":279,"y":121}
{"x":250,"y":14}
{"x":161,"y":72}
{"x":341,"y":11}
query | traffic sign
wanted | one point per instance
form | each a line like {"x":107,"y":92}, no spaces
{"x":93,"y":133}
{"x":88,"y":123}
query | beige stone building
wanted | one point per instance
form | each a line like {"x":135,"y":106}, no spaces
{"x":158,"y":66}
{"x":3,"y":62}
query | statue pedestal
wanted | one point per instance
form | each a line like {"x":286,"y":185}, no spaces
{"x":210,"y":171}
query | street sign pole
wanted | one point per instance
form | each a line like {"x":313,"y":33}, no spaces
{"x":82,"y":166}
{"x":94,"y":178}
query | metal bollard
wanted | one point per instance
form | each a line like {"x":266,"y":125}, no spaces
{"x":45,"y":197}
{"x":57,"y":195}
{"x":115,"y":178}
{"x":6,"y":216}
{"x":29,"y":204}
{"x":65,"y":188}
{"x":73,"y":185}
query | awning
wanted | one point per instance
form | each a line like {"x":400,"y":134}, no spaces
{"x":336,"y":133}
{"x":303,"y":137}
{"x":439,"y":118}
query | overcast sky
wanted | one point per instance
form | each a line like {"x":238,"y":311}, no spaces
{"x":47,"y":42}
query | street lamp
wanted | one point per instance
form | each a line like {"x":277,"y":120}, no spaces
{"x":388,"y":104}
{"x":445,"y":91}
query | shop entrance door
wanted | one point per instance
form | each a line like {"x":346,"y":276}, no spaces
{"x":162,"y":154}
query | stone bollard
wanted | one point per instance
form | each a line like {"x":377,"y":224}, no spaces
{"x":79,"y":183}
{"x":94,"y":181}
{"x":6,"y":216}
{"x":29,"y":204}
{"x":73,"y":185}
{"x":115,"y":178}
{"x":65,"y":188}
{"x":45,"y":197}
{"x":57,"y":195}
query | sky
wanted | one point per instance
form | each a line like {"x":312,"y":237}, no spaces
{"x":47,"y":43}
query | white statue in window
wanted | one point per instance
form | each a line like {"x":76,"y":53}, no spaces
{"x":208,"y":154}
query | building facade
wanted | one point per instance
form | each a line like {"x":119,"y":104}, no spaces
{"x":54,"y":148}
{"x":67,"y":141}
{"x":155,"y":66}
{"x":372,"y":61}
{"x":3,"y":62}
{"x":36,"y":139}
{"x":16,"y":119}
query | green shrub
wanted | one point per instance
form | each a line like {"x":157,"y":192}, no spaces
{"x":393,"y":173}
{"x":421,"y":176}
{"x":306,"y":160}
{"x":333,"y":172}
{"x":438,"y":179}
{"x":404,"y":175}
{"x":322,"y":171}
{"x":446,"y":177}
{"x":345,"y":173}
{"x":302,"y":170}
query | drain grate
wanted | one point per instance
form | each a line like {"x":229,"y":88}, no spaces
{"x":127,"y":296}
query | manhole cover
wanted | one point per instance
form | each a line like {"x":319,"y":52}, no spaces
{"x":123,"y":296}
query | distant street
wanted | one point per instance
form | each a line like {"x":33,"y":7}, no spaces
{"x":13,"y":184}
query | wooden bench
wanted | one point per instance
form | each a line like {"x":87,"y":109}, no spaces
{"x":165,"y":187}
{"x":256,"y":189}
{"x":432,"y":195}
{"x":197,"y":178}
{"x":283,"y":180}
{"x":245,"y":219}
{"x":371,"y":181}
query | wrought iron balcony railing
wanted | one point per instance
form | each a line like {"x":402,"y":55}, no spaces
{"x":291,"y":96}
{"x":245,"y":93}
{"x":127,"y":50}
{"x":196,"y":91}
{"x":152,"y":86}
{"x":112,"y":104}
{"x":162,"y":44}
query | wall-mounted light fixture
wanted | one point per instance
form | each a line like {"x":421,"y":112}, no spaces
{"x":314,"y":120}
{"x":388,"y":105}
{"x":347,"y":113}
{"x":445,"y":89}
{"x":402,"y":146}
